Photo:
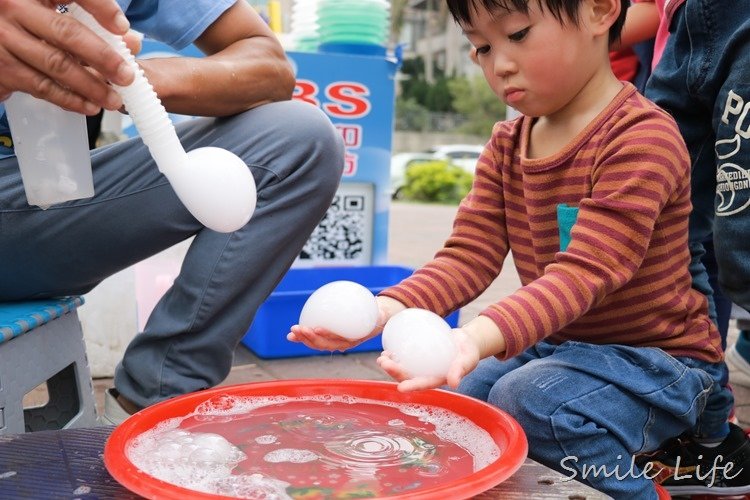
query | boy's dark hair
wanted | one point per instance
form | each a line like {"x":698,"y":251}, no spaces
{"x":461,"y":10}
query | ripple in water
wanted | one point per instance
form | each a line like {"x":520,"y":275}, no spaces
{"x":363,"y":450}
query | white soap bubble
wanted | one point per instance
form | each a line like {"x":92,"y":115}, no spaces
{"x":187,"y":449}
{"x":170,"y":451}
{"x":214,"y":442}
{"x":206,"y":456}
{"x":421,"y":342}
{"x":345,"y":308}
{"x":176,"y":435}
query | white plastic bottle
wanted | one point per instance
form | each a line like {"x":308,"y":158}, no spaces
{"x":51,"y":145}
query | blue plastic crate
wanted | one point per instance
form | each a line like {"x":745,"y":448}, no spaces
{"x":267,"y":335}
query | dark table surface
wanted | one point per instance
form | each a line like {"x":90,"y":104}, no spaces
{"x":69,"y":464}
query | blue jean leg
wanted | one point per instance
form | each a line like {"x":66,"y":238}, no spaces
{"x":586,"y":406}
{"x":296,"y":157}
{"x":722,"y":304}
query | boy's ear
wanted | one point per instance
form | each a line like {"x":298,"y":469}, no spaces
{"x":600,"y":15}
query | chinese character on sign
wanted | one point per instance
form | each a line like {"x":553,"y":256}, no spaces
{"x":350,"y":164}
{"x":352,"y":135}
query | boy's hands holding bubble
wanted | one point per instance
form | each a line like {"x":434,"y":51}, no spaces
{"x":420,"y":349}
{"x":341,"y":315}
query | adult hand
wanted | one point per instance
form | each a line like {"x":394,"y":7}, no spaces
{"x":467,"y":358}
{"x":44,"y":53}
{"x":325,"y":340}
{"x":134,"y":41}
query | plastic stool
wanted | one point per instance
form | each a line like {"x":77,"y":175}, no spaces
{"x":42,"y":341}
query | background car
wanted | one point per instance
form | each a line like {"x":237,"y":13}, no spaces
{"x":464,"y":156}
{"x":399,"y":163}
{"x":461,"y":155}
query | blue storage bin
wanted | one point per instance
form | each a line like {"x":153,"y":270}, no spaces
{"x":267,"y":335}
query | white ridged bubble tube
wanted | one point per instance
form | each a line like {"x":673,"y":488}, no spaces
{"x":214,"y":184}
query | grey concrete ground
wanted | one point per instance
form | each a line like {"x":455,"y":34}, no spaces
{"x":416,"y":232}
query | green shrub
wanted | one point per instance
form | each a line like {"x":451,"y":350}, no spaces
{"x":436,"y":181}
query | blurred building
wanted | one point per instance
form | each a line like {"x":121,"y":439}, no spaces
{"x":428,"y":31}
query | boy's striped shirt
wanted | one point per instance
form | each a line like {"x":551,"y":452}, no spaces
{"x":624,"y":277}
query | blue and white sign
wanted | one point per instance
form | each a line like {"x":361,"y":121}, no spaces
{"x":357,"y":93}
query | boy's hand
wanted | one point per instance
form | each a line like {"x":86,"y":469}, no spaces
{"x":467,"y":358}
{"x":325,"y":340}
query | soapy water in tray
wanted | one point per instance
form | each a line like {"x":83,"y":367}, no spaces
{"x":280,"y":447}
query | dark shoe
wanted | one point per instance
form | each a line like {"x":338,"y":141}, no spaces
{"x":114,"y":413}
{"x":685,"y":467}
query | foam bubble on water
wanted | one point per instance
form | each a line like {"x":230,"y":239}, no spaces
{"x":170,"y":451}
{"x":235,"y":405}
{"x":254,"y":486}
{"x":214,"y":442}
{"x":266,"y":439}
{"x":193,"y":460}
{"x":175,"y":434}
{"x":456,"y":429}
{"x":290,"y":455}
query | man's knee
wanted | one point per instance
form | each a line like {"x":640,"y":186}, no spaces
{"x":315,"y":130}
{"x":322,"y":144}
{"x":311,"y":145}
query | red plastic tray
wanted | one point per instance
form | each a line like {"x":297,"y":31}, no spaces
{"x":503,"y":429}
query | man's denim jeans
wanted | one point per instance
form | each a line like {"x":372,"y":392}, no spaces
{"x":296,"y":157}
{"x":585,"y":405}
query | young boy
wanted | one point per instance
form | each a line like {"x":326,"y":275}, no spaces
{"x":606,"y":350}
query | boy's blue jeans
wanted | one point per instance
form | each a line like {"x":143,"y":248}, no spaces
{"x":587,"y":406}
{"x":703,"y":81}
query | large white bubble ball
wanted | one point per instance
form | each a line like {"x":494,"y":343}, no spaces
{"x":421,"y":342}
{"x":346,"y":308}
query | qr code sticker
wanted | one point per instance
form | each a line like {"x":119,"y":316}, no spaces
{"x":344,"y":234}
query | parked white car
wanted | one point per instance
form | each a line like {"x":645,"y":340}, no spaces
{"x":461,"y":155}
{"x":464,"y":156}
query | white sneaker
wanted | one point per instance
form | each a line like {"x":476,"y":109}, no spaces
{"x":739,"y":368}
{"x":114,"y":414}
